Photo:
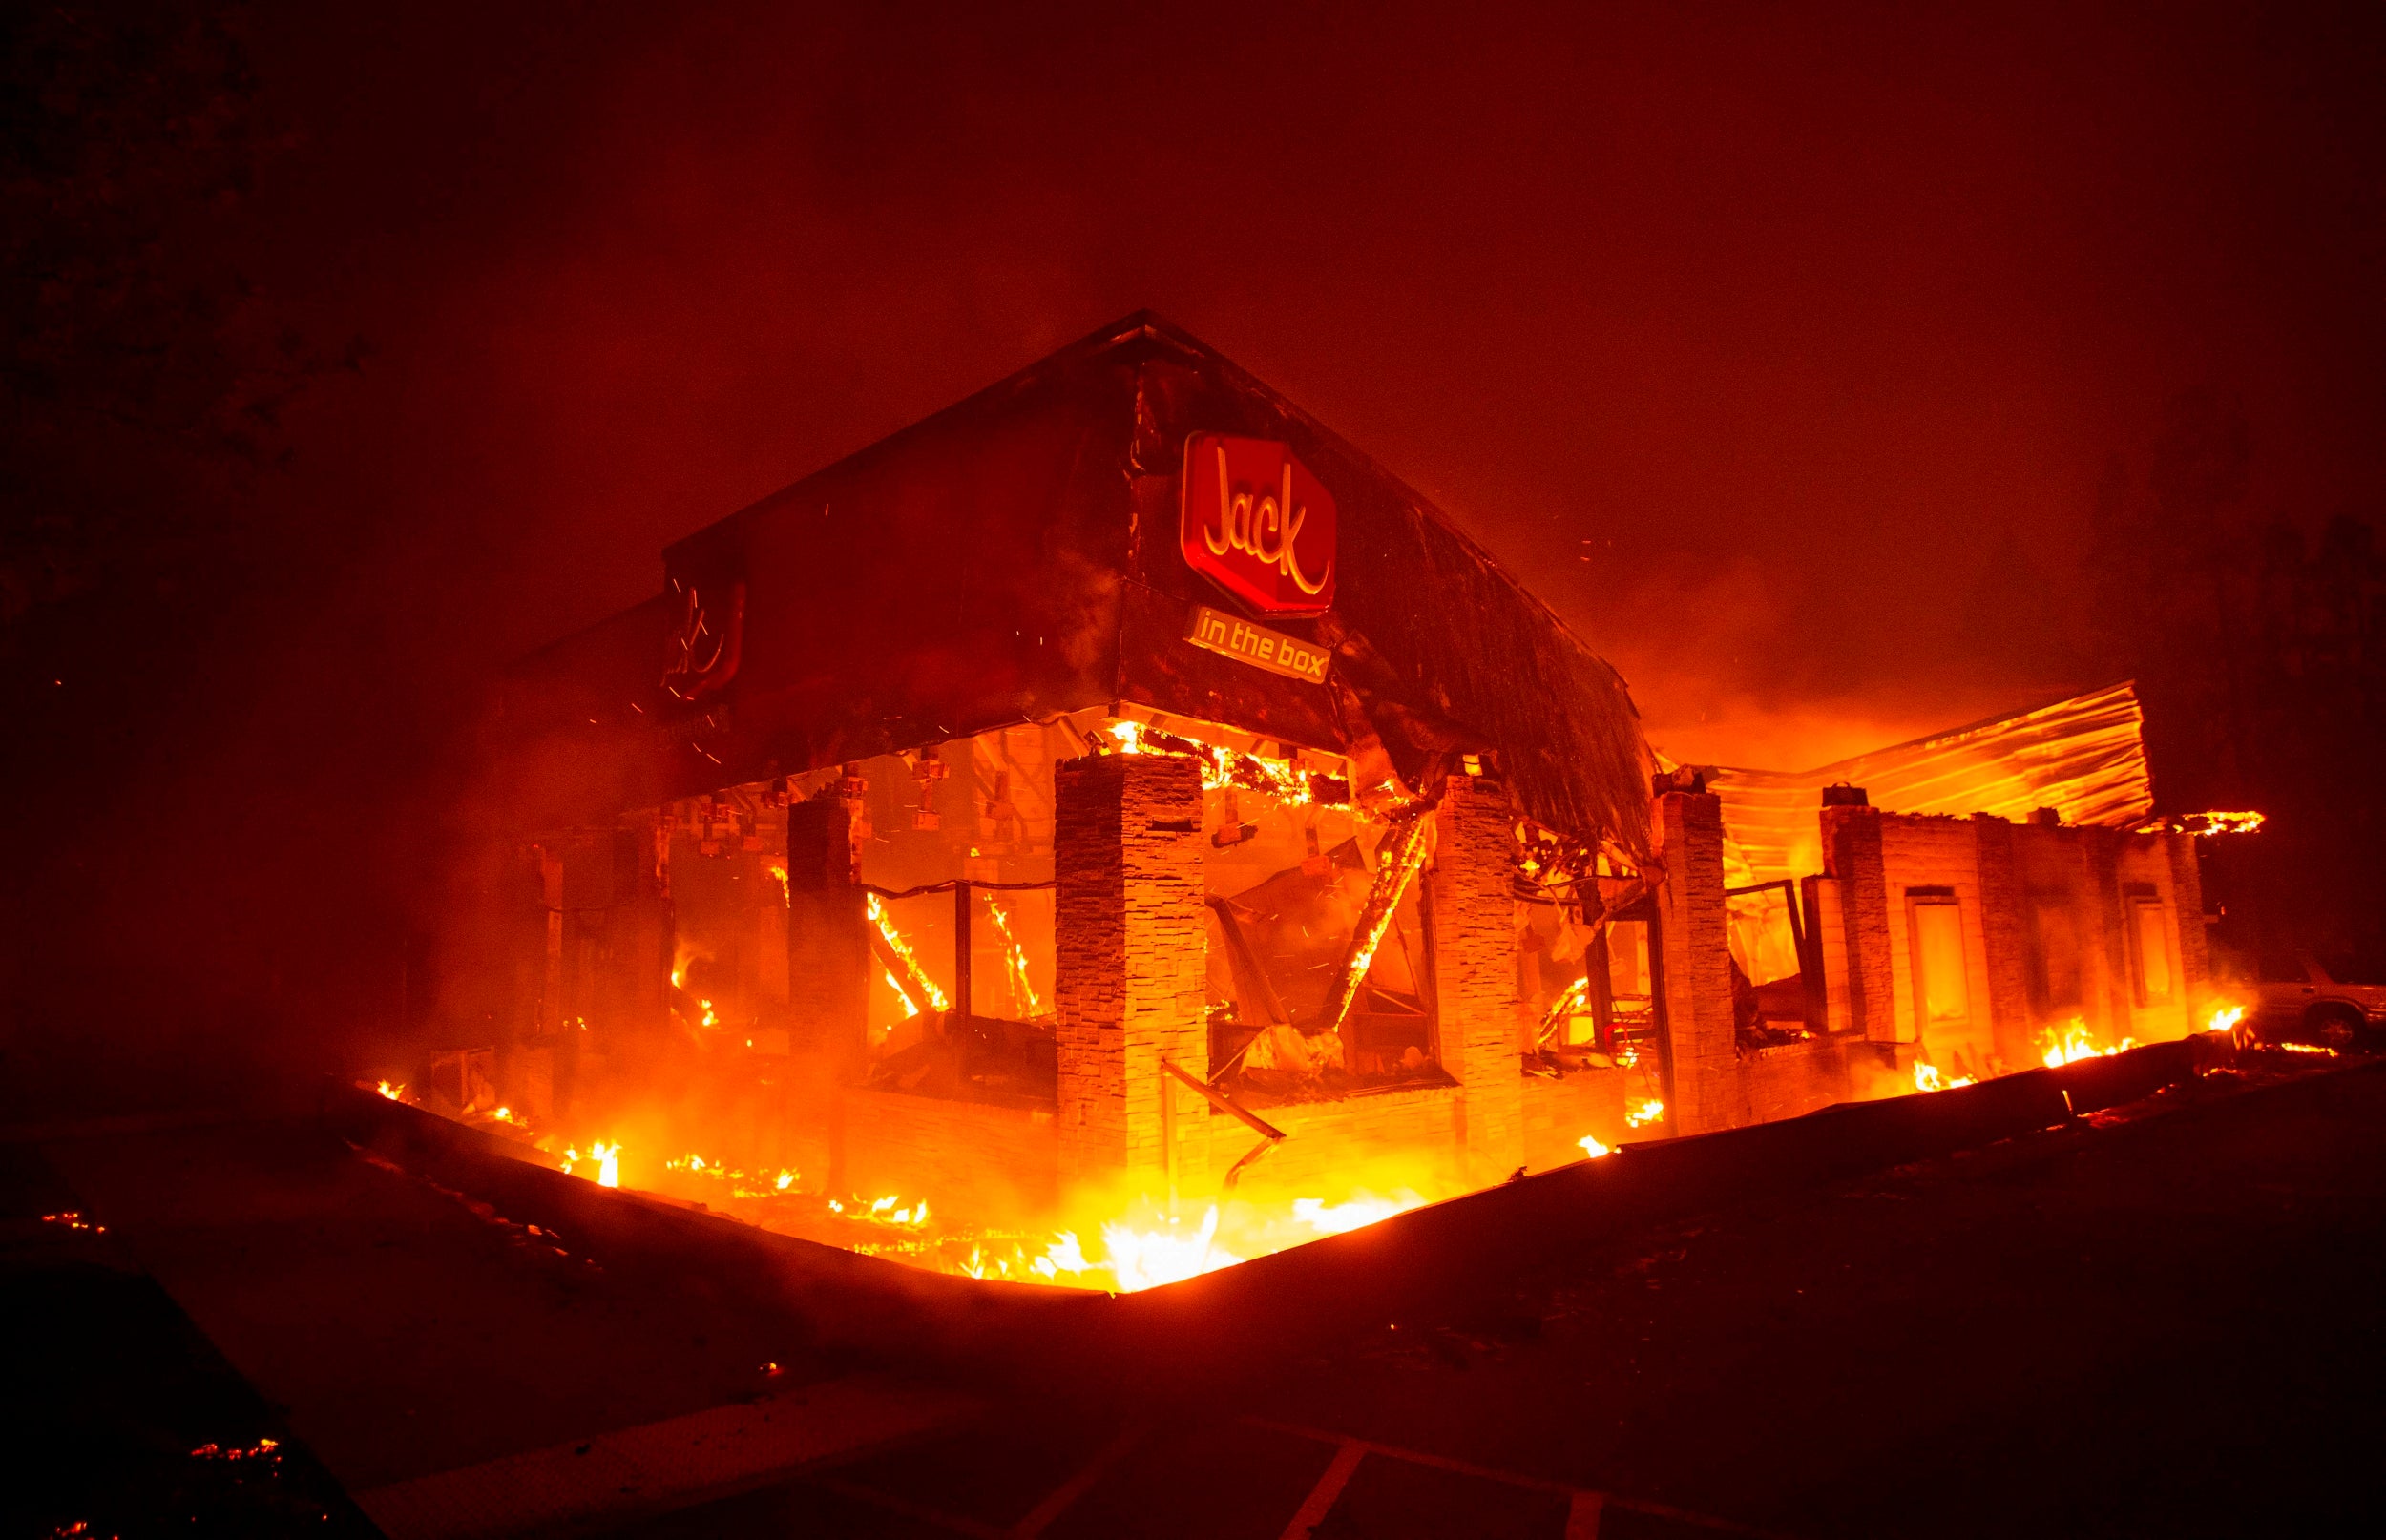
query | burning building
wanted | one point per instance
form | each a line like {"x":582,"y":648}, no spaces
{"x":1119,"y":782}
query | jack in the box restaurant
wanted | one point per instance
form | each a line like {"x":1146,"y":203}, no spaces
{"x":1119,"y":790}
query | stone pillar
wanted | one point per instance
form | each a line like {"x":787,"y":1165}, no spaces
{"x":1129,"y":984}
{"x":2004,"y":932}
{"x":2195,"y":948}
{"x":828,"y":945}
{"x":1852,"y":853}
{"x":1705,"y":1053}
{"x":1475,"y":969}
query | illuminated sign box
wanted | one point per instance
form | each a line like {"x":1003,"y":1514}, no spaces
{"x":1233,"y":636}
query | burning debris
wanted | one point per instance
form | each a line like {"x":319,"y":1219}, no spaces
{"x":1927,"y":1078}
{"x":2211,"y":823}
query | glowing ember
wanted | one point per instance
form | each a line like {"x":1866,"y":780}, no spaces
{"x":262,"y":1450}
{"x":1592,"y":1149}
{"x":73,"y":1219}
{"x":1926,"y":1077}
{"x":1023,"y":996}
{"x":1221,"y":766}
{"x":1642,"y":1111}
{"x":1398,"y":860}
{"x":2073,"y":1043}
{"x":2305,"y":1048}
{"x":916,"y":988}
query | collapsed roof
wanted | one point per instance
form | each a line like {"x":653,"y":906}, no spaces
{"x":2083,"y":757}
{"x":1013,"y":557}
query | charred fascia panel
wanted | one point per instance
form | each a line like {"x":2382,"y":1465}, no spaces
{"x":1015,"y":556}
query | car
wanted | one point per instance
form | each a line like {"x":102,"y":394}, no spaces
{"x":2299,"y":997}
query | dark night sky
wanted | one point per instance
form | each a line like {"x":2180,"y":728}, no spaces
{"x":1785,"y":322}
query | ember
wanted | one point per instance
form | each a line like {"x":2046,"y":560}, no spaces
{"x":73,"y":1219}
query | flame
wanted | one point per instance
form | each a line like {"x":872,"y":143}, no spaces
{"x":1592,"y":1149}
{"x":777,"y":872}
{"x":1398,"y":860}
{"x":2073,"y":1043}
{"x":903,"y":998}
{"x":921,"y":987}
{"x":1642,"y":1111}
{"x":710,"y":1019}
{"x":2210,"y":823}
{"x":608,"y":1159}
{"x":393,"y":1092}
{"x":1926,"y":1077}
{"x":2224,"y":1018}
{"x":1023,"y":996}
{"x":1221,"y":766}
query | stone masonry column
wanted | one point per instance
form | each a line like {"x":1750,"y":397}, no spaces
{"x":1852,"y":853}
{"x":1475,"y":969}
{"x":827,"y":946}
{"x":1129,"y":982}
{"x":1707,"y":1092}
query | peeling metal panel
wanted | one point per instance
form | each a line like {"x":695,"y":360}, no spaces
{"x":2083,"y":757}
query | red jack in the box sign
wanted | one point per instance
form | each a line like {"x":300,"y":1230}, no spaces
{"x":1258,"y":524}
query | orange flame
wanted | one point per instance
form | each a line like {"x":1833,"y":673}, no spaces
{"x":1023,"y":996}
{"x":608,"y":1159}
{"x":2210,"y":823}
{"x":1642,"y":1111}
{"x":2074,"y":1042}
{"x":1592,"y":1149}
{"x":1927,"y":1078}
{"x":920,"y":988}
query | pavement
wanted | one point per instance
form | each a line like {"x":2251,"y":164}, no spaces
{"x":2158,"y":1318}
